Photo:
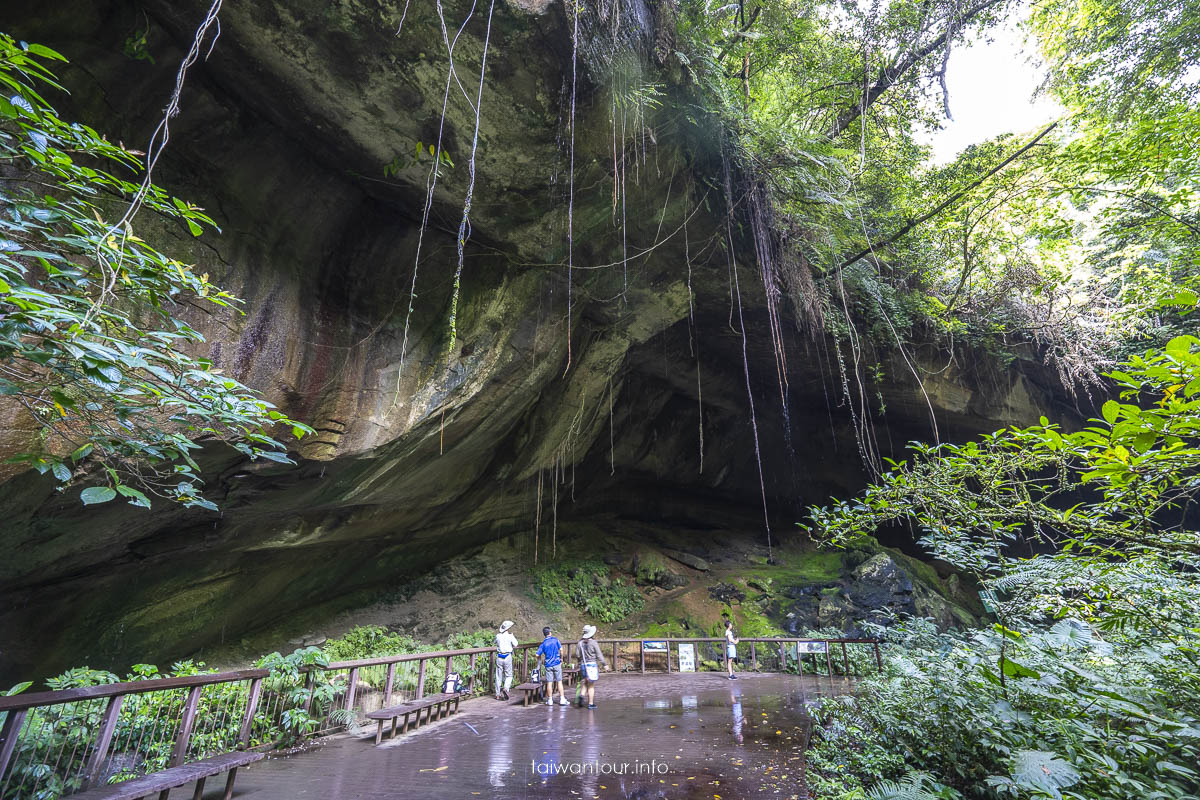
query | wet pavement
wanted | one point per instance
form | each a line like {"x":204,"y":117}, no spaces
{"x":676,"y":737}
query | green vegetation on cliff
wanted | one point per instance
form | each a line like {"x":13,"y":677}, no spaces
{"x":586,"y":585}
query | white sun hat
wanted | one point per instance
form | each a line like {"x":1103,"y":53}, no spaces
{"x":508,"y":623}
{"x":589,"y":631}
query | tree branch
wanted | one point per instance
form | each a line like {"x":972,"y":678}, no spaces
{"x":889,"y":75}
{"x":950,"y":200}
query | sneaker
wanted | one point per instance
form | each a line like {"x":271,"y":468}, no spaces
{"x":562,"y":701}
{"x":549,"y":701}
{"x":591,"y":705}
{"x":733,"y":677}
{"x":504,"y":694}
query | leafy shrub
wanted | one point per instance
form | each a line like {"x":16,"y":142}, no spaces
{"x":586,"y":586}
{"x":92,"y":342}
{"x":370,"y":641}
{"x":373,"y":641}
{"x":1050,"y":713}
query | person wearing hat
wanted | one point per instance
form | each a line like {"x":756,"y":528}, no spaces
{"x":590,"y":659}
{"x":506,"y":643}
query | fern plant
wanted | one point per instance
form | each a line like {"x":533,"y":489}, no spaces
{"x":913,"y":786}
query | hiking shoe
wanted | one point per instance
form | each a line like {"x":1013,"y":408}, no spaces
{"x":562,"y":701}
{"x":504,"y":694}
{"x":591,"y":705}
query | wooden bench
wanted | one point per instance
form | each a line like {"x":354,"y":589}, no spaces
{"x":531,"y":689}
{"x":163,"y":782}
{"x":439,"y":705}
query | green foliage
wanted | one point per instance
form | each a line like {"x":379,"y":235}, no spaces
{"x":422,"y":153}
{"x":913,"y":786}
{"x":55,"y":735}
{"x":1069,"y":247}
{"x":1122,"y":57}
{"x":373,"y":641}
{"x":1076,"y":716}
{"x":369,"y":641}
{"x":1090,"y":685}
{"x":303,"y":705}
{"x":135,"y":46}
{"x":93,"y":345}
{"x":843,"y":756}
{"x":586,"y":585}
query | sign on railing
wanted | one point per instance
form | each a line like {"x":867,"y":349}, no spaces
{"x":687,"y":657}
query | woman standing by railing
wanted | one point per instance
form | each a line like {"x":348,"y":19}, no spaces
{"x":731,"y":642}
{"x":590,"y":659}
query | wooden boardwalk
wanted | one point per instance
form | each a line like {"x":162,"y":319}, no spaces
{"x":653,"y":736}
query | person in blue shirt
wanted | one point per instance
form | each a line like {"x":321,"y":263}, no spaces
{"x":549,"y":654}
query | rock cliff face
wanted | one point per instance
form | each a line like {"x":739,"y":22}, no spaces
{"x":585,"y":393}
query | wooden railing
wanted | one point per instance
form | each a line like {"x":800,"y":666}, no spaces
{"x":57,"y":743}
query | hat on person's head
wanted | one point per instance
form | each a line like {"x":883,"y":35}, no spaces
{"x":589,"y":631}
{"x":508,"y":623}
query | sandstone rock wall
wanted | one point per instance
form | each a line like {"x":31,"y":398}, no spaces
{"x":427,"y":447}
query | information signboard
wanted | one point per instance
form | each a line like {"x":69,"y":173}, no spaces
{"x":687,"y":658}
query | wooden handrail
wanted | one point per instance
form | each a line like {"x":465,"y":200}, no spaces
{"x":396,"y":659}
{"x":18,"y":701}
{"x":26,"y":701}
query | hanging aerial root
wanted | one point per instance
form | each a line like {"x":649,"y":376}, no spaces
{"x":464,"y":227}
{"x":571,"y":180}
{"x":122,"y":228}
{"x":736,"y":292}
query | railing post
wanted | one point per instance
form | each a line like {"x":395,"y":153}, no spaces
{"x":447,"y":671}
{"x":668,"y":656}
{"x":753,"y":658}
{"x":8,"y":737}
{"x":310,"y":684}
{"x":878,"y":658}
{"x":614,"y":666}
{"x":491,"y":677}
{"x":389,"y":684}
{"x":828,"y":659}
{"x":421,"y":679}
{"x":783,"y":657}
{"x":351,"y":688}
{"x":108,"y":725}
{"x":251,"y":710}
{"x":845,"y":661}
{"x":471,"y":669}
{"x":642,"y":653}
{"x":185,"y":726}
{"x":800,"y":661}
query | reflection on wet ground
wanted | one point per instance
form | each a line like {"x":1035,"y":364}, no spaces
{"x":655,"y":736}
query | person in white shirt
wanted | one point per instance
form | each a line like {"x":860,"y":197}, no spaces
{"x":506,"y":643}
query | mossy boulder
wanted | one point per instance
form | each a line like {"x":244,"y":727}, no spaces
{"x":651,"y":569}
